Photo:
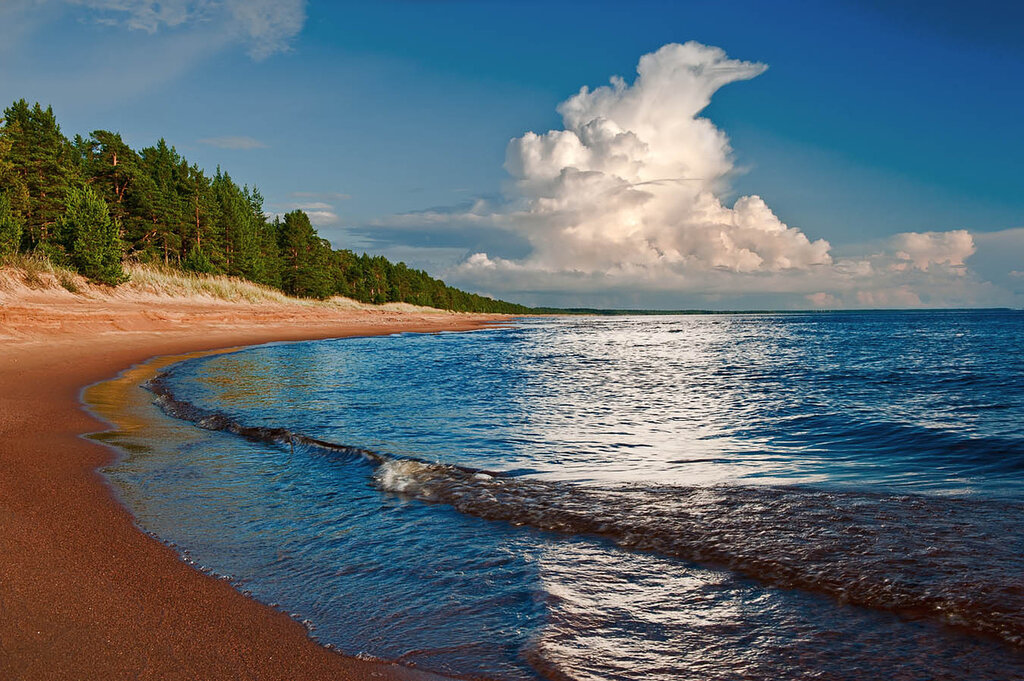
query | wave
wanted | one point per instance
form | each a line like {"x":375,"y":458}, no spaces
{"x":840,"y":437}
{"x":959,"y":561}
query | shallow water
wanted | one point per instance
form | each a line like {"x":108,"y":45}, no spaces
{"x":736,"y":496}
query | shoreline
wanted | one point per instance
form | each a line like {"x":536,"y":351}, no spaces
{"x":124,"y":406}
{"x":84,"y":591}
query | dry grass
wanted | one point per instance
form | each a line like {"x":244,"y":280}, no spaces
{"x":38,"y":273}
{"x":70,"y":281}
{"x":177,"y":284}
{"x":165,"y":281}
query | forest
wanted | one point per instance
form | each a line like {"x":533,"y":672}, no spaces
{"x":94,"y":203}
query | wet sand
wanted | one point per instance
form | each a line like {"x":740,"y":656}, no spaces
{"x":84,"y":594}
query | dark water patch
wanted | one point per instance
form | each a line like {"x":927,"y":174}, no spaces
{"x":910,"y":554}
{"x":837,"y":436}
{"x":219,"y":421}
{"x":913,"y":555}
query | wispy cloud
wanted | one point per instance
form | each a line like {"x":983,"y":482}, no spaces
{"x":321,"y":213}
{"x":322,"y":218}
{"x":157,"y":42}
{"x":269,"y":25}
{"x":319,"y":206}
{"x":265,"y":26}
{"x":327,"y":196}
{"x":233,"y":142}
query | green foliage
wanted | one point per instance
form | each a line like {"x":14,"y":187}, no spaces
{"x":305,"y":257}
{"x":90,"y":237}
{"x":91,"y":202}
{"x":375,"y":279}
{"x":44,"y":166}
{"x":197,"y":261}
{"x":10,"y":228}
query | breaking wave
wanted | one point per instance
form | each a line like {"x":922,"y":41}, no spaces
{"x":957,"y":561}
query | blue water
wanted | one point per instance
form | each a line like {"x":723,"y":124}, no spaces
{"x":697,"y":497}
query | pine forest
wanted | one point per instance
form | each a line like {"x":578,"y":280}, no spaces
{"x":94,"y":203}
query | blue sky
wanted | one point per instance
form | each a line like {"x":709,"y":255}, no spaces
{"x":391,"y":121}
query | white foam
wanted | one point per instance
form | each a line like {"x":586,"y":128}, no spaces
{"x":403,"y":476}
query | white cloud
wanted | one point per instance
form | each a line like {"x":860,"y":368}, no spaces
{"x":928,"y":249}
{"x":631,"y":185}
{"x":156,"y":42}
{"x":233,"y":142}
{"x":269,"y":25}
{"x":322,"y":218}
{"x":265,"y":26}
{"x":628,"y":197}
{"x":321,"y":213}
{"x":145,"y":15}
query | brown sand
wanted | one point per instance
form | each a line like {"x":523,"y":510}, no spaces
{"x":83,"y":593}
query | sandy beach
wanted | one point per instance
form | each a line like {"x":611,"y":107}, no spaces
{"x":84,"y":594}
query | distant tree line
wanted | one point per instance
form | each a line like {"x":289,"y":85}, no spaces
{"x":93,"y":203}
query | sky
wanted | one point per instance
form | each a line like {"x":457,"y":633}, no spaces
{"x":729,"y":155}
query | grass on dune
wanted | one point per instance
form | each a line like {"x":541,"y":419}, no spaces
{"x":165,"y":281}
{"x":37,"y":272}
{"x":176,"y":283}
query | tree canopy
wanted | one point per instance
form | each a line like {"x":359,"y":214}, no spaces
{"x":94,"y":202}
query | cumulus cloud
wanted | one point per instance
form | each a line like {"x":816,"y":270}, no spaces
{"x":266,"y":26}
{"x":911,"y":269}
{"x":631,"y":181}
{"x":928,"y":249}
{"x":628,"y":197}
{"x":631,"y":186}
{"x":233,"y":142}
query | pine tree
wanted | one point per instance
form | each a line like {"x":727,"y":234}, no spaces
{"x":112,"y":168}
{"x":90,"y":237}
{"x":304,"y":257}
{"x":161,"y":208}
{"x":11,"y":185}
{"x":200,"y":214}
{"x":238,"y":227}
{"x":266,"y":261}
{"x":10,"y":228}
{"x":43,"y":160}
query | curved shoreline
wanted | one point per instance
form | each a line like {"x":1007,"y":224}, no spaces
{"x":84,"y":592}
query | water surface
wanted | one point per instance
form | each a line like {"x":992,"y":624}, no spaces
{"x":726,"y":496}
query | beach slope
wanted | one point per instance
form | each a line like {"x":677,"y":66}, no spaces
{"x":84,"y":594}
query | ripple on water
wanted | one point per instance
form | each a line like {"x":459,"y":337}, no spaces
{"x":763,"y":496}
